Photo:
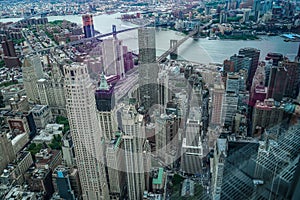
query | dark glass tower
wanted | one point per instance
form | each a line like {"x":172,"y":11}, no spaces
{"x":254,"y":55}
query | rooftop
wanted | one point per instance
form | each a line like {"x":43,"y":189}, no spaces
{"x":159,"y":179}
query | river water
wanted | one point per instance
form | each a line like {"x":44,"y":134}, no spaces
{"x":202,"y":51}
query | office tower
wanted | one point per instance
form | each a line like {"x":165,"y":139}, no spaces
{"x":134,"y":139}
{"x":7,"y":153}
{"x":218,"y":162}
{"x":192,"y":149}
{"x":115,"y":167}
{"x":254,"y":55}
{"x":85,"y":131}
{"x":237,"y":63}
{"x":230,"y":106}
{"x":266,"y":114}
{"x":88,"y":26}
{"x":166,"y":138}
{"x":148,"y":68}
{"x":32,"y":72}
{"x":218,"y":97}
{"x":275,"y":58}
{"x":62,"y":183}
{"x":293,"y":78}
{"x":233,"y":83}
{"x":163,"y":88}
{"x":112,"y":57}
{"x":105,"y":103}
{"x":51,"y":91}
{"x":277,"y":83}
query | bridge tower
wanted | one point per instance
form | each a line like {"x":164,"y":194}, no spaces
{"x":174,"y":54}
{"x":114,"y":30}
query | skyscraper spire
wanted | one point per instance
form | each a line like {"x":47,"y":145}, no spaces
{"x":103,"y":83}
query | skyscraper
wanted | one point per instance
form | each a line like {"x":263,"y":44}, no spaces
{"x":112,"y":56}
{"x":88,"y":26}
{"x":293,"y":78}
{"x":85,"y":131}
{"x":218,"y":97}
{"x":148,"y":68}
{"x":277,"y":83}
{"x":105,"y":109}
{"x":254,"y":55}
{"x":133,"y":139}
{"x":32,"y":72}
{"x":266,"y":114}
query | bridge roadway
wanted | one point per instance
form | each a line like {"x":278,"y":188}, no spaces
{"x":180,"y":42}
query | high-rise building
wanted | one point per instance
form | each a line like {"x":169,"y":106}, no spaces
{"x":254,"y":55}
{"x":277,"y":83}
{"x":266,"y":114}
{"x":239,"y":62}
{"x":275,"y":57}
{"x":88,"y":26}
{"x":85,"y":131}
{"x":7,"y":153}
{"x":233,"y":83}
{"x":112,"y":56}
{"x":218,"y":97}
{"x":51,"y":91}
{"x":166,"y":138}
{"x":61,"y":182}
{"x":115,"y":167}
{"x":134,"y":139}
{"x":192,"y":149}
{"x":105,"y":103}
{"x":230,"y":107}
{"x":293,"y":78}
{"x":218,"y":162}
{"x":32,"y":72}
{"x":148,"y":68}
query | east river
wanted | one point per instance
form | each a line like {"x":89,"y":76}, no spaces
{"x":202,"y":51}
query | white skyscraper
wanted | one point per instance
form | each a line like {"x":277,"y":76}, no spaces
{"x":85,"y":131}
{"x":32,"y":71}
{"x":112,"y":56}
{"x":134,"y":139}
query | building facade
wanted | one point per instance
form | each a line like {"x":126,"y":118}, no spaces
{"x":85,"y":131}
